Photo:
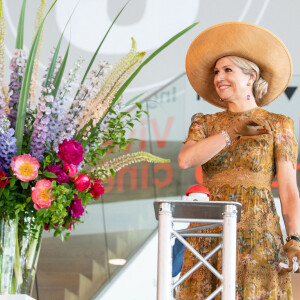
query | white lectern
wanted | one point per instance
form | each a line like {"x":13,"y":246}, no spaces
{"x":213,"y":214}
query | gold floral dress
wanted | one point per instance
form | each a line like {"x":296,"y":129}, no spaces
{"x":243,"y":172}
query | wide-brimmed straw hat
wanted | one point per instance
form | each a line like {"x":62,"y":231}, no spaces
{"x":246,"y":40}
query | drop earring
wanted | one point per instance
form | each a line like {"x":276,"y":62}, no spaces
{"x":248,"y":96}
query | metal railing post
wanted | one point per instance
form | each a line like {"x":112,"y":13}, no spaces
{"x":229,"y":252}
{"x":164,"y":272}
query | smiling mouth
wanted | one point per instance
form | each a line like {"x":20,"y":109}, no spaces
{"x":223,"y":87}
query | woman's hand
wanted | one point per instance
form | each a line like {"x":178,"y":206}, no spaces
{"x":249,"y":127}
{"x":290,"y":206}
{"x":292,"y":249}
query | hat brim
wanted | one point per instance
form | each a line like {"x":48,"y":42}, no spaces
{"x":245,"y":40}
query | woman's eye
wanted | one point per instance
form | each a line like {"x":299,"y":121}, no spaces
{"x":216,"y":72}
{"x":228,"y":70}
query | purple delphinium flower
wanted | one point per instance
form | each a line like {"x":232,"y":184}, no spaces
{"x":15,"y":85}
{"x":8,"y":146}
{"x":62,"y":176}
{"x":69,"y":124}
{"x":17,"y":62}
{"x":41,"y":130}
{"x":76,"y":209}
{"x":64,"y":127}
{"x":2,"y":165}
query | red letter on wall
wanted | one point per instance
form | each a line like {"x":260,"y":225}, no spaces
{"x":111,"y":182}
{"x":169,"y":175}
{"x":133,"y":178}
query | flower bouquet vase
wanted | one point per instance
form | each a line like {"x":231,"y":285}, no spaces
{"x":19,"y":254}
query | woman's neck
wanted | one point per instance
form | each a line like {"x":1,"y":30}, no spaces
{"x":241,"y":106}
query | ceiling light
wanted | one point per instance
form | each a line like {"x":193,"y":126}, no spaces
{"x":117,"y":261}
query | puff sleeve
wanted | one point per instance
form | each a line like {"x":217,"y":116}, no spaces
{"x":286,"y":147}
{"x":197,"y":130}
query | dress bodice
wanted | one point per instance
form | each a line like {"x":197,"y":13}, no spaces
{"x":249,"y":161}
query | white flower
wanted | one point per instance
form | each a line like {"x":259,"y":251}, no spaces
{"x":48,"y":111}
{"x":49,"y":98}
{"x":43,"y":107}
{"x":20,"y":62}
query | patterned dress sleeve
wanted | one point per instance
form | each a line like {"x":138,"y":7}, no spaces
{"x":198,"y":128}
{"x":286,"y":147}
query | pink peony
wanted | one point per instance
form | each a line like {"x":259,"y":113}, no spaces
{"x":61,"y":175}
{"x":76,"y":209}
{"x":41,"y":194}
{"x":71,"y":152}
{"x":3,"y":182}
{"x":97,"y":189}
{"x":25,"y":167}
{"x":82,"y":182}
{"x":71,"y":170}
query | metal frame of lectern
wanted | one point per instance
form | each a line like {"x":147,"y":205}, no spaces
{"x":213,"y":214}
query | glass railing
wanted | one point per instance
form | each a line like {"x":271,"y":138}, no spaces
{"x":123,"y":219}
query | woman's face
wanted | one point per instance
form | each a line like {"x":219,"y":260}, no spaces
{"x":230,"y":81}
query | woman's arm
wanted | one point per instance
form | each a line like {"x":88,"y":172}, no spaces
{"x":289,"y":195}
{"x":195,"y":153}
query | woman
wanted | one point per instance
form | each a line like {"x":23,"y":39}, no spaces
{"x":242,"y":67}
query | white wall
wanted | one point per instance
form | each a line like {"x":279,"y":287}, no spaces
{"x":151,"y":23}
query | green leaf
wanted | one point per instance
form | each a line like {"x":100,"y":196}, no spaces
{"x":59,"y":75}
{"x":24,"y":92}
{"x":6,"y":193}
{"x":133,"y":99}
{"x":20,"y":32}
{"x":12,"y":182}
{"x":96,"y":52}
{"x":62,"y":238}
{"x":94,"y":129}
{"x":55,"y":55}
{"x":24,"y":185}
{"x":89,"y":195}
{"x":49,"y":174}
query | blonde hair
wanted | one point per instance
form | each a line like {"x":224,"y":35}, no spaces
{"x":260,"y":86}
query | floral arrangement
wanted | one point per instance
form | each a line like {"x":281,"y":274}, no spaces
{"x":56,"y":152}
